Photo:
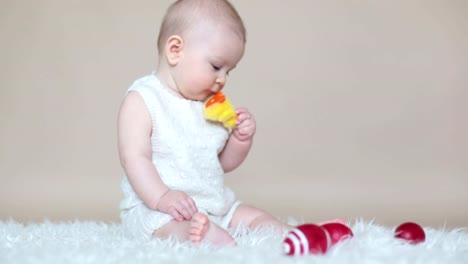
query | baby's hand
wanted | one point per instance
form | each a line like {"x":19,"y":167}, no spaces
{"x":177,"y":204}
{"x":246,"y":125}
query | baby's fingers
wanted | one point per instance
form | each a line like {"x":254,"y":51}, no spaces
{"x":183,"y":211}
{"x":172,"y":211}
{"x":245,"y":120}
{"x":245,"y":131}
{"x":187,"y":208}
{"x":241,"y":110}
{"x":193,"y":206}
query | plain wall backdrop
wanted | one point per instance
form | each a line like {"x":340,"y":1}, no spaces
{"x":361,"y":106}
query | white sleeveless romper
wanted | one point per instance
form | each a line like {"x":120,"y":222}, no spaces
{"x":185,"y":153}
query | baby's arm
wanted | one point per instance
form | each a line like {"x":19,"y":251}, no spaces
{"x":239,"y":142}
{"x":134,"y":143}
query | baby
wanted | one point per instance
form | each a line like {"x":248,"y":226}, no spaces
{"x":173,"y":158}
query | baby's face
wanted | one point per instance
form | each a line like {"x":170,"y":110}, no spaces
{"x":209,"y":55}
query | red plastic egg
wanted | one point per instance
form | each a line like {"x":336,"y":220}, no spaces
{"x":338,"y":232}
{"x":411,"y":232}
{"x":306,"y":239}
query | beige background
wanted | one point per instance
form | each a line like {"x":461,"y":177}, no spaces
{"x":361,"y":107}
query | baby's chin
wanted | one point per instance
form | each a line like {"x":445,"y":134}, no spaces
{"x":197,"y":97}
{"x":205,"y":97}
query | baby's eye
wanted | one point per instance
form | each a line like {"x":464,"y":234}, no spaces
{"x":216,"y":68}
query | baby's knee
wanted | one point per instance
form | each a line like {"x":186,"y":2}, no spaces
{"x":262,"y":217}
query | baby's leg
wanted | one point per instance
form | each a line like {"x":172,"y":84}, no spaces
{"x":198,"y":229}
{"x":254,"y":217}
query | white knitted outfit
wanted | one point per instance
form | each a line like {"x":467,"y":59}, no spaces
{"x":185,"y":153}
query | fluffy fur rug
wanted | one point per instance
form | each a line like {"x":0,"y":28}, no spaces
{"x":90,"y":242}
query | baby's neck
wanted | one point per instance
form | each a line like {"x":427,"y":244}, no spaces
{"x":167,"y":81}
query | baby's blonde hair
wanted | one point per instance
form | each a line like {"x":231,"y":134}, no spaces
{"x":184,"y":15}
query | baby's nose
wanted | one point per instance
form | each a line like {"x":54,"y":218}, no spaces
{"x":221,"y":81}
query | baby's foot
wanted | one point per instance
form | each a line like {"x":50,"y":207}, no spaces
{"x":199,"y":226}
{"x":202,"y":229}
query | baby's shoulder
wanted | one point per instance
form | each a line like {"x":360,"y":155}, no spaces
{"x":133,"y":98}
{"x":133,"y":104}
{"x":133,"y":114}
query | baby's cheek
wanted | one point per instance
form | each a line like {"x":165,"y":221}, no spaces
{"x":198,"y":78}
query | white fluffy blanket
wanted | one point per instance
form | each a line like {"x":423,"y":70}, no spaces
{"x":89,"y":242}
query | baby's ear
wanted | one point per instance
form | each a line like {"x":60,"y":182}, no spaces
{"x":174,"y":48}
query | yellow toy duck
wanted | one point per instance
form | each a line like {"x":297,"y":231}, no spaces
{"x":218,"y":108}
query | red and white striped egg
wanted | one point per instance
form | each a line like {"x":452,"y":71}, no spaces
{"x":338,"y":232}
{"x":306,"y":239}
